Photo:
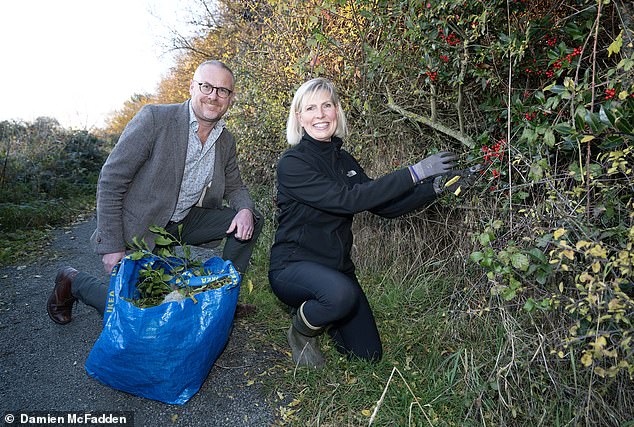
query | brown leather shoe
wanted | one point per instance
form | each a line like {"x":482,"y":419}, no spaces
{"x":60,"y":303}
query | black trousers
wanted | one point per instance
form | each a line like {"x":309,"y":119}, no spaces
{"x":201,"y":225}
{"x":333,"y":299}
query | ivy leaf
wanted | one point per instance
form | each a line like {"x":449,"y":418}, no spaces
{"x":563,"y":129}
{"x":542,"y":276}
{"x":508,"y":294}
{"x":538,"y":255}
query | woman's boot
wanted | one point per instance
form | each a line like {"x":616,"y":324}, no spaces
{"x":304,"y":341}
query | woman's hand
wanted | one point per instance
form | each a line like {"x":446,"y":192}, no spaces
{"x":436,"y":164}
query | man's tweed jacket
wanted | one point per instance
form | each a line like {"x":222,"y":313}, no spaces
{"x":140,"y":181}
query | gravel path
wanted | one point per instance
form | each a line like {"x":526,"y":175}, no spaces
{"x":42,"y":363}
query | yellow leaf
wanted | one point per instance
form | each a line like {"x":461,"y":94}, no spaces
{"x":614,"y":304}
{"x":599,"y":344}
{"x":586,"y":359}
{"x":600,"y":371}
{"x":558,"y":233}
{"x":250,"y":383}
{"x":587,"y":138}
{"x":615,"y":46}
{"x":366,"y":413}
{"x":568,"y":253}
{"x":585,"y":277}
{"x":560,"y":354}
{"x":582,"y":244}
{"x":561,"y":287}
{"x":598,"y":251}
{"x":610,"y":353}
{"x":596,"y":267}
{"x":250,"y":285}
{"x":294,"y":403}
{"x":458,"y":190}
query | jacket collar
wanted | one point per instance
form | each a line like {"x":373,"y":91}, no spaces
{"x":322,"y":147}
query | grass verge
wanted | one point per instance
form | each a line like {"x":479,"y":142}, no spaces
{"x":31,"y":225}
{"x":454,"y":355}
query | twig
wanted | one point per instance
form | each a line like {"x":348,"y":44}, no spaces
{"x":508,"y":119}
{"x":463,"y":71}
{"x":594,"y":66}
{"x":465,"y":139}
{"x":380,"y":401}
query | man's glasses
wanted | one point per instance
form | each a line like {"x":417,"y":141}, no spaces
{"x":208,"y":89}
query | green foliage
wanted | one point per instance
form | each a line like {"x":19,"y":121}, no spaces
{"x":540,"y":93}
{"x":48,"y":176}
{"x":42,"y":161}
{"x":599,"y":300}
{"x":166,"y":274}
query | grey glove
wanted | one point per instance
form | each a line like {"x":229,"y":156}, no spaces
{"x":436,"y":164}
{"x":466,"y":179}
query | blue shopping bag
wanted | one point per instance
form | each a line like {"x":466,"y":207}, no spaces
{"x":164,"y":352}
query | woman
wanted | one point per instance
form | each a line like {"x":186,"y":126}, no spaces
{"x":320,"y":188}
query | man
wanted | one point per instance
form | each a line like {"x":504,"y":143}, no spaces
{"x":173,"y":165}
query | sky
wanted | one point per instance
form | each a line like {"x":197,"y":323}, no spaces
{"x":79,"y":60}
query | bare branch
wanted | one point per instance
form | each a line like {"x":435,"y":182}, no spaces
{"x":465,"y":139}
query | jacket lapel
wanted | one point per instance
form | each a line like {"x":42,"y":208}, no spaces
{"x":179,"y":133}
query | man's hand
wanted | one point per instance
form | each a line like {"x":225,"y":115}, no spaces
{"x":242,"y":224}
{"x":110,"y":260}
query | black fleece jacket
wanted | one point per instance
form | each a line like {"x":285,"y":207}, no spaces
{"x":320,"y":187}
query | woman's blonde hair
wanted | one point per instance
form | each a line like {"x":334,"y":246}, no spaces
{"x":294,"y":130}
